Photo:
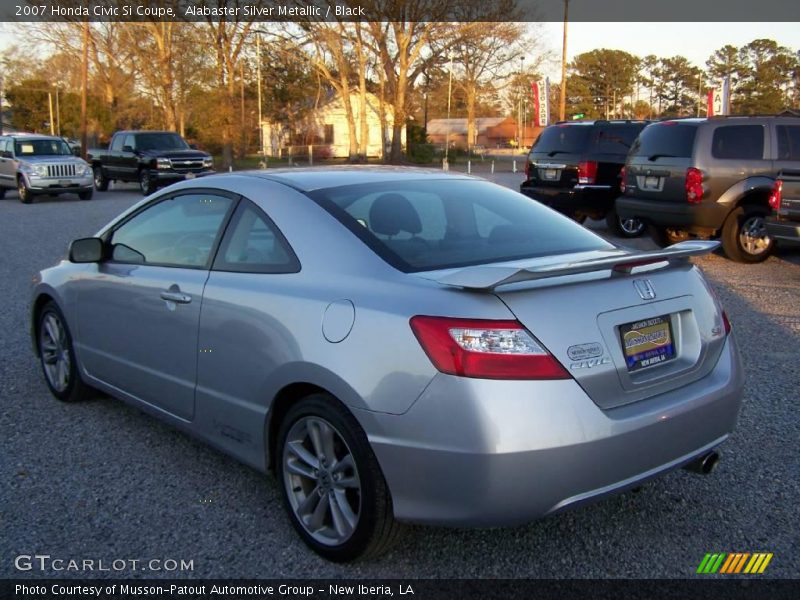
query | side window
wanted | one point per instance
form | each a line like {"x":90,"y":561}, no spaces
{"x":116,"y":145}
{"x":788,"y":142}
{"x":130,"y":140}
{"x":176,"y":232}
{"x":3,"y":146}
{"x":738,"y":141}
{"x":252,"y":244}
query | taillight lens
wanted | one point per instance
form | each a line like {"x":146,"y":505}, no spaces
{"x":622,"y":180}
{"x":776,"y":196}
{"x":694,"y":185}
{"x":587,"y":171}
{"x":527,"y":169}
{"x":485,"y":349}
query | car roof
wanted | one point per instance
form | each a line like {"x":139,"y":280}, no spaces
{"x":129,"y":131}
{"x":33,"y":136}
{"x":604,"y":122}
{"x":316,"y":178}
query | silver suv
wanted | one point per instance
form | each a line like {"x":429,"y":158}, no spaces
{"x":42,"y":164}
{"x":708,"y":178}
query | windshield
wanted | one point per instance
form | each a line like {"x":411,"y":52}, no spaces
{"x":41,"y":148}
{"x":160,"y":141}
{"x":439,"y":224}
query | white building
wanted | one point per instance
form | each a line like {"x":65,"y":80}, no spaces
{"x":327,"y":127}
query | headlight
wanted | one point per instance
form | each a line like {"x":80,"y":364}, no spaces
{"x":163,"y":163}
{"x":40,"y":170}
{"x":208,"y":162}
{"x":83,"y":169}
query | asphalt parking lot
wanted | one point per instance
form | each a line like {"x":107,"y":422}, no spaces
{"x":101,"y":480}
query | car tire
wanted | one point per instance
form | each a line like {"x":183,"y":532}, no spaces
{"x":87,"y":195}
{"x":664,"y":237}
{"x":146,"y":183}
{"x":744,"y":236}
{"x":629,"y":227}
{"x":340,"y":505}
{"x":2,"y":193}
{"x":100,"y":179}
{"x":25,"y":195}
{"x":57,"y":356}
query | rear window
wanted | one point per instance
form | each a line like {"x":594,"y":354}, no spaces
{"x":562,"y":139}
{"x":438,"y":224}
{"x":586,"y":139}
{"x":669,"y":139}
{"x":738,"y":141}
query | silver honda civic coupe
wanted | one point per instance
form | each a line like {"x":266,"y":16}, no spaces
{"x":397,"y":345}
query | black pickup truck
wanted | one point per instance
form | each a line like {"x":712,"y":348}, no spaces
{"x":151,"y":158}
{"x":784,"y":224}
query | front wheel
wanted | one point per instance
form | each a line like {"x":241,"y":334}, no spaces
{"x":2,"y":193}
{"x":100,"y":179}
{"x":146,"y":182}
{"x":24,"y":192}
{"x":57,"y":356}
{"x":664,"y":237}
{"x":744,"y":235}
{"x":87,"y":195}
{"x":331,"y":483}
{"x":628,"y":227}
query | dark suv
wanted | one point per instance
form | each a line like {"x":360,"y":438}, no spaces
{"x":709,"y":178}
{"x":574,"y":168}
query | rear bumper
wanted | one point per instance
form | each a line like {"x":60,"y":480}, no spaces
{"x":696,"y":218}
{"x":597,"y":199}
{"x":491,"y":453}
{"x":783,"y":230}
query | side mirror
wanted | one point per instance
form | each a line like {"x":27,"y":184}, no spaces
{"x":5,"y":154}
{"x":193,"y":146}
{"x":86,"y":250}
{"x":127,"y":149}
{"x":76,"y":150}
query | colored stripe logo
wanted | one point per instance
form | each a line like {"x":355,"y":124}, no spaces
{"x":734,"y":562}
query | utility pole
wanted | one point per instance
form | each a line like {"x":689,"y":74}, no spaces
{"x":449,"y":93}
{"x":50,"y":107}
{"x":260,"y":118}
{"x":84,"y":87}
{"x":58,"y":115}
{"x":562,"y":105}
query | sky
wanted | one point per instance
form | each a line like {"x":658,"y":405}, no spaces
{"x":695,"y":41}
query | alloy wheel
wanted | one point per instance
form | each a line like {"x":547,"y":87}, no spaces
{"x":753,"y":236}
{"x":55,"y":352}
{"x":321,"y":480}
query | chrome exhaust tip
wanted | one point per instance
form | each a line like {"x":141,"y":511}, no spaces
{"x":705,"y":464}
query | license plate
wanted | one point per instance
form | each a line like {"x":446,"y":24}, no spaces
{"x":64,"y":182}
{"x":549,"y":174}
{"x":651,"y":183}
{"x":647,"y":343}
{"x":190,"y":176}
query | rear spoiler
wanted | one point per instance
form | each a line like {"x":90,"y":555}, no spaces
{"x":486,"y":278}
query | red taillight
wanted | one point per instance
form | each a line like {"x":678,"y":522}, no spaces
{"x":485,"y":349}
{"x":622,"y":180}
{"x":694,"y":185}
{"x":726,"y":322}
{"x":527,"y":169}
{"x":587,"y":171}
{"x":776,"y":196}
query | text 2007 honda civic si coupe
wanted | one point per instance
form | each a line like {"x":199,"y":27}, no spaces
{"x":397,"y":345}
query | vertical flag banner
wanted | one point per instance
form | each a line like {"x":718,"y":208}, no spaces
{"x":541,"y":104}
{"x":719,"y":99}
{"x":726,"y":95}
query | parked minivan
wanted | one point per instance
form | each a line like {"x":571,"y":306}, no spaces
{"x":709,"y":178}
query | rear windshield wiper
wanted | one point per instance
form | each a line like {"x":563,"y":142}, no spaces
{"x":653,"y":157}
{"x":554,"y":152}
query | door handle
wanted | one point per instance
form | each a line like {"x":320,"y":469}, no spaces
{"x":176,"y":297}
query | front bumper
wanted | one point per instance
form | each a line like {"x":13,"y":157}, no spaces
{"x":580,"y":199}
{"x":475,"y":452}
{"x":783,"y":230}
{"x":167,"y":177}
{"x":61,"y":185}
{"x":695,"y":218}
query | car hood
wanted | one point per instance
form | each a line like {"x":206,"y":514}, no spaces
{"x":50,"y":159}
